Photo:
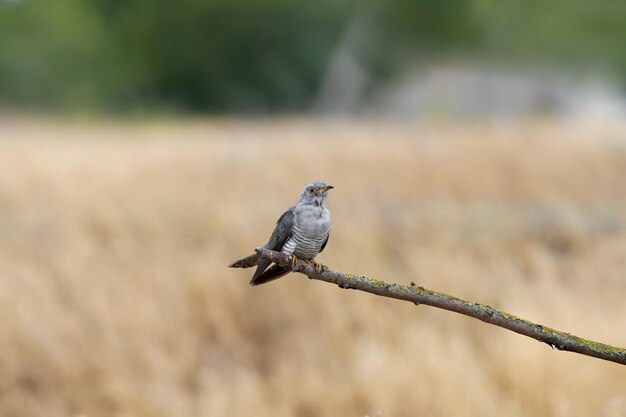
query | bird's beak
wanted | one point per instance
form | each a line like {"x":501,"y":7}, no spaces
{"x":328,"y":187}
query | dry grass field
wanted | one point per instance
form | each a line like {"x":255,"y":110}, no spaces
{"x":115,"y":299}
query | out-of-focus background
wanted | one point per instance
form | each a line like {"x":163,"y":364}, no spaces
{"x":477,"y":148}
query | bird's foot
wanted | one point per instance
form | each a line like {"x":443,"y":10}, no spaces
{"x":294,"y":261}
{"x":318,"y":266}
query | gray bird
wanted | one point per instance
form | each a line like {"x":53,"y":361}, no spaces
{"x":301,"y":232}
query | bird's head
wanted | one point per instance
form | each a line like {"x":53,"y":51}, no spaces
{"x":315,"y":193}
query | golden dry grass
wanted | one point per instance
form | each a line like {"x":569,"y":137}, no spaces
{"x":115,"y":299}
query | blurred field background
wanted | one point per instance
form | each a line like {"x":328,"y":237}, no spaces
{"x":116,"y":299}
{"x":477,"y":148}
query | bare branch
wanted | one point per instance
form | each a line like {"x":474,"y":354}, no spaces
{"x":420,"y":295}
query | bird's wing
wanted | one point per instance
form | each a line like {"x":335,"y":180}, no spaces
{"x":325,"y":242}
{"x":281,"y":234}
{"x":283,"y":230}
{"x":270,"y":274}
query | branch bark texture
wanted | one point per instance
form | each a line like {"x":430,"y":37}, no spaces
{"x":420,"y":295}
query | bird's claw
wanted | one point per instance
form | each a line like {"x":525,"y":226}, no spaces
{"x":318,"y":266}
{"x":294,"y":261}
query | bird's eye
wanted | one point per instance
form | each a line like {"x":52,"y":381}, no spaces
{"x":311,"y":190}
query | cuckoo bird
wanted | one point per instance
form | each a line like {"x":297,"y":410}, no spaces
{"x":301,"y":232}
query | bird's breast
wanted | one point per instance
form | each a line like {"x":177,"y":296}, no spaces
{"x":313,"y":221}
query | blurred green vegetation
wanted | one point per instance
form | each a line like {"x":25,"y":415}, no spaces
{"x":271,"y":55}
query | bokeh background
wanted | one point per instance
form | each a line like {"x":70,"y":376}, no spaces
{"x":477,"y":148}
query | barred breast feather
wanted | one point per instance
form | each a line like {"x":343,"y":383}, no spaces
{"x":310,"y":230}
{"x":303,"y":245}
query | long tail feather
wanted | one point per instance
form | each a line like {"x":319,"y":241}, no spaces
{"x":270,"y":274}
{"x":247,"y":262}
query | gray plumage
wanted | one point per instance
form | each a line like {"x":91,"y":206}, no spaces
{"x":302,"y":230}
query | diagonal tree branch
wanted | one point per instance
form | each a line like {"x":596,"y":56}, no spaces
{"x":420,"y":295}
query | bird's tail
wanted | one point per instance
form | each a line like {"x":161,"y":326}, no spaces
{"x":247,"y":262}
{"x":270,"y":274}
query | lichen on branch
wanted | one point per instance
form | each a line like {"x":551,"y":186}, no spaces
{"x":420,"y":295}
